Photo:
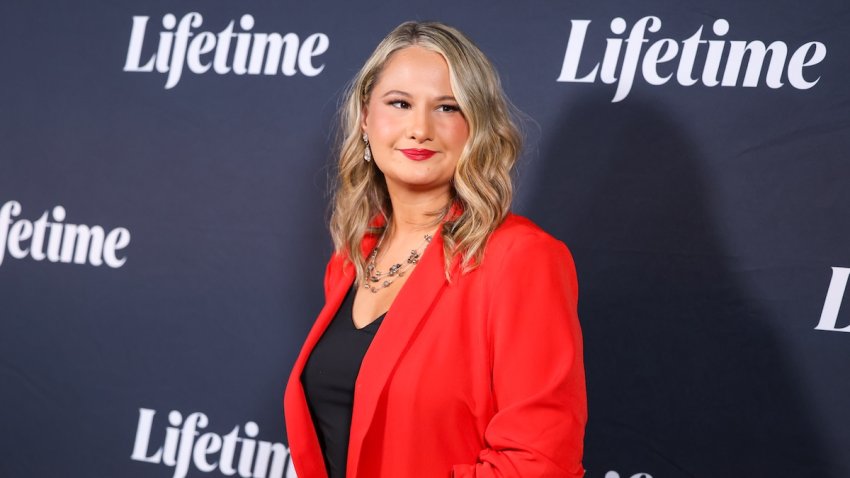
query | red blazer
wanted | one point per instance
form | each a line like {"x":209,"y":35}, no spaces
{"x":480,"y":377}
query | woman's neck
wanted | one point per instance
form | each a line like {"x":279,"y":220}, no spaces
{"x":413,"y":214}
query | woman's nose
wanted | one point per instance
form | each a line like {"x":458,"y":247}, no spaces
{"x":420,"y":128}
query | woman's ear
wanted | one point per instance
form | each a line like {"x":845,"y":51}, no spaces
{"x":364,"y":112}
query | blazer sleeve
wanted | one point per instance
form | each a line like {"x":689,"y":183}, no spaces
{"x":537,"y":368}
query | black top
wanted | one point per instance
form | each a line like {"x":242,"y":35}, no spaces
{"x":328,"y":380}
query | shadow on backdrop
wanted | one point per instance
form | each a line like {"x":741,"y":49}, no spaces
{"x":685,"y":376}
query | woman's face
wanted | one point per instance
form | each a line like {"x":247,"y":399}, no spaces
{"x":415,"y":127}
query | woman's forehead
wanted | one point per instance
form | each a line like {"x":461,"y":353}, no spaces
{"x":415,"y":70}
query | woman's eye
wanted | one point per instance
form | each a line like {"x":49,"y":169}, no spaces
{"x":399,"y":104}
{"x":449,"y":108}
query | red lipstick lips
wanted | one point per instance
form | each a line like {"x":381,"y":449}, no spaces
{"x":418,"y":154}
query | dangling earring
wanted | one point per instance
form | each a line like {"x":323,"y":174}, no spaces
{"x":367,"y":152}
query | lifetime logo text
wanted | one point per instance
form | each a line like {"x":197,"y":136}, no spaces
{"x":832,"y":303}
{"x":665,"y":50}
{"x":211,"y":451}
{"x":614,"y":474}
{"x":252,"y":54}
{"x":66,"y":242}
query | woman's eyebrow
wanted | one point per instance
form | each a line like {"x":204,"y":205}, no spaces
{"x":407,"y":95}
{"x":395,"y":92}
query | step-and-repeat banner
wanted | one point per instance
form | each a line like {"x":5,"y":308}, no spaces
{"x":164,"y":189}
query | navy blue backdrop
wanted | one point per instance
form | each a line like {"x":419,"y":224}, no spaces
{"x":163,"y":238}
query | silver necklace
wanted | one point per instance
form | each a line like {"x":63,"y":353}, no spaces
{"x":399,"y":269}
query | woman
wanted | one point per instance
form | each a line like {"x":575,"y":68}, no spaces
{"x":449,"y":343}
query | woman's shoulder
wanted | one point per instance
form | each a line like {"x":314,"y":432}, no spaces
{"x":337,"y":264}
{"x":520,"y":239}
{"x":519,"y":231}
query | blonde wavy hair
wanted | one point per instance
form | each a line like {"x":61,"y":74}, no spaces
{"x":482,"y":184}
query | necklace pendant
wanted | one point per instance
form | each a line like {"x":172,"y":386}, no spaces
{"x":376,"y":280}
{"x":414,"y":257}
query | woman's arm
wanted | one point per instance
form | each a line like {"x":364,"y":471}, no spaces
{"x":537,"y":367}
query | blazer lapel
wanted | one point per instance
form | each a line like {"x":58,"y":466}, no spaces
{"x":407,"y":313}
{"x":299,"y":424}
